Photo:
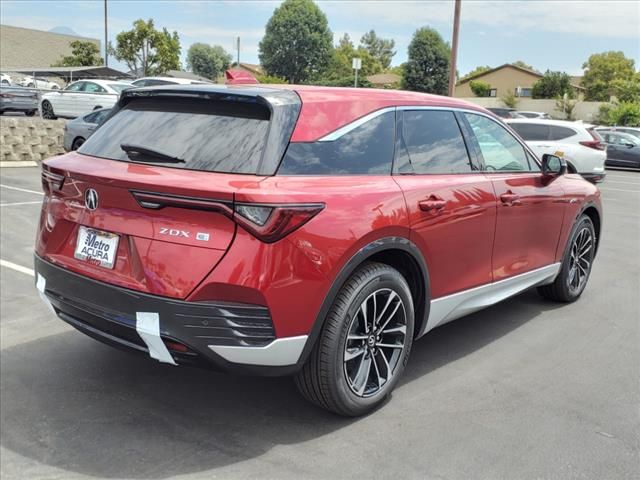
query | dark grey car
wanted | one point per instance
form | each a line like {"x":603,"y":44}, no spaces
{"x":623,"y":149}
{"x":77,"y":131}
{"x":18,"y":99}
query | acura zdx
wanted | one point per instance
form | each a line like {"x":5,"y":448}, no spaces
{"x":300,"y":230}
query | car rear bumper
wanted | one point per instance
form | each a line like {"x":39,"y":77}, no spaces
{"x":227,"y":336}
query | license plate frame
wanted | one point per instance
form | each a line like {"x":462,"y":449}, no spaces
{"x":97,"y":247}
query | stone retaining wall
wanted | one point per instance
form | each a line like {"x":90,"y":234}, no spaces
{"x":24,"y":139}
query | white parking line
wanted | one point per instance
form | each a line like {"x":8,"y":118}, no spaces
{"x":16,"y":267}
{"x":619,"y":190}
{"x":21,"y":189}
{"x":15,"y":204}
{"x":626,"y":183}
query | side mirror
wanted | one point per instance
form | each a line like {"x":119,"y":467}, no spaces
{"x":553,"y":165}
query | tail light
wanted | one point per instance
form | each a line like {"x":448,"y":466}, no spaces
{"x":270,"y":223}
{"x":267,"y":222}
{"x":51,"y":181}
{"x":595,"y":143}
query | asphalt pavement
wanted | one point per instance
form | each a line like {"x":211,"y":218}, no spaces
{"x":527,"y":389}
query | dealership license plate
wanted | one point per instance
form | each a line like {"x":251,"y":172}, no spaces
{"x":97,"y":247}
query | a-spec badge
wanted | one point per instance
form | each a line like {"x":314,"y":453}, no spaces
{"x":202,"y":236}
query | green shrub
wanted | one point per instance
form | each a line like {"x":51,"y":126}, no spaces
{"x":625,"y":114}
{"x":509,"y":99}
{"x":270,"y":79}
{"x":480,"y":89}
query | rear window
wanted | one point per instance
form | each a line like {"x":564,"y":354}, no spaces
{"x":560,"y":133}
{"x":531,"y":132}
{"x":210,"y":135}
{"x":365,"y":150}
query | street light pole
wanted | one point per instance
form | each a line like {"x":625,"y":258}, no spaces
{"x":106,"y":44}
{"x":454,"y":47}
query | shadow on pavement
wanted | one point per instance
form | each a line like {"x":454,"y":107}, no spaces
{"x":72,"y":403}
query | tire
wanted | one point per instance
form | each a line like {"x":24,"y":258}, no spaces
{"x":47,"y":111}
{"x":30,"y":85}
{"x":576,"y":264}
{"x":333,"y":377}
{"x":30,"y":113}
{"x":77,"y":143}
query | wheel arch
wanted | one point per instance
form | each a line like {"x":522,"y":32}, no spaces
{"x":397,"y":252}
{"x":591,"y":211}
{"x":79,"y":137}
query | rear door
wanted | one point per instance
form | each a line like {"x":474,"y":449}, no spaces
{"x":530,"y":207}
{"x":622,"y":150}
{"x":166,"y":223}
{"x":65,"y":103}
{"x":451,"y":204}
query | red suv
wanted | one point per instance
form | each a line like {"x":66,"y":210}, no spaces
{"x":303,"y":230}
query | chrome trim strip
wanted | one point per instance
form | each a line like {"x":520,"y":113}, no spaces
{"x":451,"y":307}
{"x":336,"y":134}
{"x":279,"y":353}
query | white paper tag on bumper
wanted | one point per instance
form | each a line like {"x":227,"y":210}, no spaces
{"x":148,"y":327}
{"x":41,"y":283}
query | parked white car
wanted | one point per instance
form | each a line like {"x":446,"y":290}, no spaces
{"x":81,"y":97}
{"x":578,"y":143}
{"x":5,"y":80}
{"x":528,"y":114}
{"x":37,"y":82}
{"x":151,"y":81}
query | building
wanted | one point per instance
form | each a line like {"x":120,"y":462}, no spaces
{"x":24,"y":48}
{"x":504,"y":79}
{"x":385,"y":80}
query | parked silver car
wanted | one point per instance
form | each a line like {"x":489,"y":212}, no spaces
{"x":18,"y":99}
{"x":78,"y":130}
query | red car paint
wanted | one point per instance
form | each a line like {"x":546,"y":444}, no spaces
{"x":480,"y":236}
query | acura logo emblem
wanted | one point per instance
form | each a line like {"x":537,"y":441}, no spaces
{"x":91,"y":198}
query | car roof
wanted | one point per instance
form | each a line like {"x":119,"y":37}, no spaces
{"x":177,"y":81}
{"x":547,"y":121}
{"x":101,"y":82}
{"x":325,"y":109}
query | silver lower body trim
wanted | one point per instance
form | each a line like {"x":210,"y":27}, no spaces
{"x":451,"y":307}
{"x":279,"y":353}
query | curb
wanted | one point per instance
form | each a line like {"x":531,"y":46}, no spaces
{"x":28,"y":163}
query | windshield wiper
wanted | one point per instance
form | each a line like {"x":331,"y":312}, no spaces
{"x":134,"y":152}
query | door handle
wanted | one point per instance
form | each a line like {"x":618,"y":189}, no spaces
{"x":510,"y":198}
{"x":432,"y":204}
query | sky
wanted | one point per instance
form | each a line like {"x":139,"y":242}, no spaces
{"x":547,"y":34}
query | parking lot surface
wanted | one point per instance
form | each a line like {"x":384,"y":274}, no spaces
{"x":526,"y":389}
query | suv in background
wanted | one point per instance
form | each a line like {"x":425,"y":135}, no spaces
{"x":504,"y":112}
{"x":623,"y":149}
{"x":300,"y":230}
{"x":578,"y":143}
{"x":527,"y":114}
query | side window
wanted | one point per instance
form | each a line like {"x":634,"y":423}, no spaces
{"x":560,"y":133}
{"x":531,"y":132}
{"x":500,"y":150}
{"x":91,"y":87}
{"x":432,"y":143}
{"x":365,"y":150}
{"x":91,"y":118}
{"x":75,"y":87}
{"x":101,"y":116}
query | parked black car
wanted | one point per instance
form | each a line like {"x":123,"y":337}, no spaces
{"x":18,"y":99}
{"x":623,"y":149}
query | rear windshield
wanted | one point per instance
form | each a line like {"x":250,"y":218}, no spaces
{"x":209,"y":135}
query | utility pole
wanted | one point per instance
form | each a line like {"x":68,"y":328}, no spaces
{"x":238,"y":48}
{"x":454,"y":48}
{"x":106,"y":41}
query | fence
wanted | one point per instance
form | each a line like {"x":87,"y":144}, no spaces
{"x":585,"y":111}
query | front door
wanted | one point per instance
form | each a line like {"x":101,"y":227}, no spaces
{"x":530,"y":206}
{"x":451,"y":205}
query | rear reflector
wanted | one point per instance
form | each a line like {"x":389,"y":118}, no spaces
{"x":176,"y":346}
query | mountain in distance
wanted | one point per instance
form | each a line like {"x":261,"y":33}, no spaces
{"x":63,"y":31}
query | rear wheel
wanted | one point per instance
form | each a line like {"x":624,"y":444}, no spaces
{"x":30,"y":113}
{"x":576,"y":264}
{"x":77,"y":143}
{"x":364,"y":344}
{"x":47,"y":111}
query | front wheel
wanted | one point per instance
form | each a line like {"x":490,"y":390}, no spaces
{"x":364,"y":344}
{"x":576,"y":264}
{"x":30,"y":113}
{"x":47,"y":111}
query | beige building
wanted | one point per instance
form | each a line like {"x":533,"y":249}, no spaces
{"x":22,"y":48}
{"x":504,"y":79}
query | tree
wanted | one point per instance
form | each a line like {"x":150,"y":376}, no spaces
{"x":521,"y":64}
{"x":148,"y":51}
{"x":477,"y":71}
{"x":427,"y":67}
{"x":379,"y":48}
{"x":602,"y":71}
{"x":509,"y":99}
{"x":567,"y":107}
{"x":209,"y":61}
{"x":480,"y":89}
{"x":340,"y":66}
{"x":297,"y":43}
{"x":552,"y":85}
{"x":83,"y":54}
{"x":627,"y":90}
